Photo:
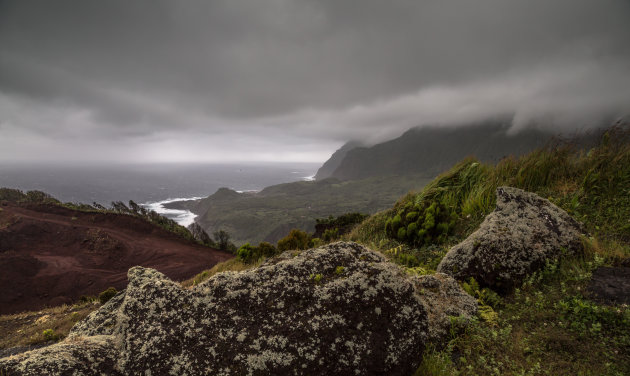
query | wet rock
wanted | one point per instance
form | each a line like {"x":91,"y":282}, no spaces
{"x":517,"y":238}
{"x":610,"y":285}
{"x":337,"y":309}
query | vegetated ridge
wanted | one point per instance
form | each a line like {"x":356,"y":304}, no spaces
{"x":51,"y":255}
{"x":429,"y":150}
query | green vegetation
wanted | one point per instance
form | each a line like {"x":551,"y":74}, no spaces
{"x":106,"y":295}
{"x":316,"y":278}
{"x":548,"y":326}
{"x":248,"y":253}
{"x":270,"y":214}
{"x":332,"y":228}
{"x":593,"y":186}
{"x":31,"y":197}
{"x":296,"y":240}
{"x":50,"y":335}
{"x":222,"y":241}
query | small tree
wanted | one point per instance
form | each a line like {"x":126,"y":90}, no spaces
{"x":200,"y":234}
{"x":222,"y":238}
{"x":134,"y":207}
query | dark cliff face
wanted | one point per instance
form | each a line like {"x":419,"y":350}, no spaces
{"x":430,"y":150}
{"x":334,"y":161}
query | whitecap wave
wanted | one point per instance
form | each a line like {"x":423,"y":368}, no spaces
{"x":183,"y":217}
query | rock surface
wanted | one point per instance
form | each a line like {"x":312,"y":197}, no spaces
{"x":337,"y":309}
{"x":518,"y":237}
{"x":611,"y":285}
{"x":443,"y":299}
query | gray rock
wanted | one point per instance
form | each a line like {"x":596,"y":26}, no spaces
{"x":518,"y":237}
{"x":444,"y":299}
{"x":337,"y":309}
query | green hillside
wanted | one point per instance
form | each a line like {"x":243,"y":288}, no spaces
{"x":549,"y":326}
{"x":270,"y":214}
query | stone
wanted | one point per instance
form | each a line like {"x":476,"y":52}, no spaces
{"x":521,"y":235}
{"x":444,"y":299}
{"x":610,"y":285}
{"x":298,"y":313}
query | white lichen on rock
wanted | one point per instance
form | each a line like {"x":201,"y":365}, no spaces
{"x":519,"y":236}
{"x":274,"y":319}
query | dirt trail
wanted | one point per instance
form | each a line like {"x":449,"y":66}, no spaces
{"x":50,"y":255}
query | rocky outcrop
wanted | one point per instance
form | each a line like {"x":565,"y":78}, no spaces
{"x":337,"y":309}
{"x":518,"y":237}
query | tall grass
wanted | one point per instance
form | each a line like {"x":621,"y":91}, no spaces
{"x":593,"y":185}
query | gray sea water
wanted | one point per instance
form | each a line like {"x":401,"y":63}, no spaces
{"x":149,"y":184}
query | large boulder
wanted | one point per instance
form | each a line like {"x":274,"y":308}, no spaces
{"x":518,"y":237}
{"x":337,"y":309}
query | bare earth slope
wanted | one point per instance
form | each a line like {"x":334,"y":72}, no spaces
{"x":50,"y":255}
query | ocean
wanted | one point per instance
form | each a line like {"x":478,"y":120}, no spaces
{"x":151,"y":185}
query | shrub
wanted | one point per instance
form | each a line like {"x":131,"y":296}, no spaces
{"x":106,"y":295}
{"x":248,"y":253}
{"x":50,"y":335}
{"x":267,"y":249}
{"x":331,"y":234}
{"x":402,"y":233}
{"x":296,"y":240}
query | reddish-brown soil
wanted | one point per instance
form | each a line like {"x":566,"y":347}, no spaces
{"x":51,"y":255}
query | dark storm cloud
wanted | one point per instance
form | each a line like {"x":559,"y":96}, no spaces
{"x":296,"y":76}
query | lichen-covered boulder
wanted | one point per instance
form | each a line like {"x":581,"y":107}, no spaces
{"x":337,"y":309}
{"x":518,"y":237}
{"x":444,"y":299}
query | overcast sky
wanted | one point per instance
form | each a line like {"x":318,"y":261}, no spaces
{"x":292,"y":80}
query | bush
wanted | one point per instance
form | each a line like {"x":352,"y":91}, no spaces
{"x":50,"y":335}
{"x":247,"y":253}
{"x":296,"y":240}
{"x":106,"y":295}
{"x":266,"y":249}
{"x":331,"y":234}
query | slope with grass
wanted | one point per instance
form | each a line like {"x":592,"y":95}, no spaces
{"x":552,"y":324}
